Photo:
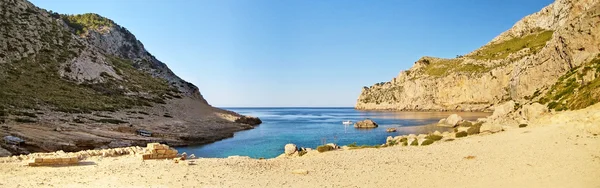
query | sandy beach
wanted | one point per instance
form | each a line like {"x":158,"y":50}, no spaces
{"x":551,"y":155}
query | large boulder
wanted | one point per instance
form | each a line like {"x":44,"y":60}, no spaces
{"x":367,"y":123}
{"x":490,"y":127}
{"x":290,"y":149}
{"x":451,"y":121}
{"x":503,"y":109}
{"x":249,"y":120}
{"x":533,"y":111}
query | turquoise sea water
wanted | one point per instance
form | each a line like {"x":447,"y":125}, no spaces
{"x":309,"y":127}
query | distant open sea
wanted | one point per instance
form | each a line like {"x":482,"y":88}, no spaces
{"x":309,"y":127}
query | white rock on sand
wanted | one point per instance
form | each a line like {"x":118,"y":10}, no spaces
{"x":451,"y":121}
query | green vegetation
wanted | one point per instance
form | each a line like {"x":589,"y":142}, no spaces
{"x":443,"y":67}
{"x":25,"y":120}
{"x":112,"y":121}
{"x":534,"y":41}
{"x":522,"y":125}
{"x":34,"y":81}
{"x":81,"y":23}
{"x":354,"y":146}
{"x":465,"y":124}
{"x":434,"y":137}
{"x":571,"y":93}
{"x":404,"y":139}
{"x":461,"y":134}
{"x":474,"y":129}
{"x":414,"y":142}
{"x":325,"y":148}
{"x":427,"y":142}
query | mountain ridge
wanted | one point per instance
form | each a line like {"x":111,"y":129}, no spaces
{"x":73,"y":82}
{"x":520,"y":64}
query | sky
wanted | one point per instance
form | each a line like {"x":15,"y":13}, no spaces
{"x":292,"y":53}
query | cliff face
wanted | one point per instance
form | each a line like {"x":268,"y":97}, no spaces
{"x":76,"y":82}
{"x":521,"y":64}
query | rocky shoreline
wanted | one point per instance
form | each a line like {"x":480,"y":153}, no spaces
{"x":453,"y":160}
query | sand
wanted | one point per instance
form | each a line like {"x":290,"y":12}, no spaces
{"x":556,"y":155}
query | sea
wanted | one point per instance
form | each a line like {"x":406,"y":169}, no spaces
{"x":311,"y":127}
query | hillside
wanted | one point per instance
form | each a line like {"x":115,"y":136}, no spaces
{"x":75,"y":82}
{"x":551,"y":57}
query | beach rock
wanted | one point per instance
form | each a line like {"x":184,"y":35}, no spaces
{"x":389,"y":139}
{"x":367,"y":123}
{"x":503,"y":109}
{"x":389,"y":130}
{"x":437,"y":133}
{"x":300,"y":171}
{"x":4,"y":152}
{"x":249,"y":120}
{"x":290,"y":149}
{"x":443,"y":120}
{"x":451,"y":121}
{"x":490,"y":127}
{"x":533,"y":111}
{"x":460,"y":129}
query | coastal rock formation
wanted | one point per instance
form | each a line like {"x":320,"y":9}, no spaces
{"x":451,"y":121}
{"x":77,"y":82}
{"x":367,"y":123}
{"x":550,"y":56}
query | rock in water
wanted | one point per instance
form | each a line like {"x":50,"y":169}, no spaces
{"x":290,"y":149}
{"x":367,"y":123}
{"x":389,"y":130}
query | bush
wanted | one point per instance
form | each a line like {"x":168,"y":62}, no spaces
{"x":475,"y":129}
{"x":391,"y":143}
{"x":405,"y":143}
{"x":461,"y":134}
{"x":434,"y":137}
{"x":427,"y":142}
{"x":112,"y":121}
{"x":25,"y":120}
{"x":522,"y":125}
{"x":415,"y":142}
{"x":465,"y":124}
{"x":325,"y":148}
{"x":353,"y":145}
{"x":404,"y":139}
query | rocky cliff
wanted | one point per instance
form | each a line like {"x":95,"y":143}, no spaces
{"x":75,"y":82}
{"x":549,"y":56}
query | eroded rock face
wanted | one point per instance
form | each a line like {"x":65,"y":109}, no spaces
{"x":249,"y":120}
{"x":475,"y":82}
{"x":367,"y":123}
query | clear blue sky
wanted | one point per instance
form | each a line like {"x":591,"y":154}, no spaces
{"x":301,"y":53}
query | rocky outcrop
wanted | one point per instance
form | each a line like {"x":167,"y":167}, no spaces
{"x":521,"y":65}
{"x":77,"y":82}
{"x":367,"y":123}
{"x":452,"y":121}
{"x":290,"y":149}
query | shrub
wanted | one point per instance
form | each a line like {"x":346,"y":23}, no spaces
{"x":405,"y":143}
{"x":461,"y":134}
{"x":415,"y":142}
{"x":325,"y":148}
{"x":475,"y":129}
{"x":404,"y":139}
{"x":522,"y":125}
{"x":427,"y":142}
{"x":434,"y":137}
{"x":391,"y":143}
{"x":353,"y":145}
{"x":112,"y":121}
{"x":25,"y":120}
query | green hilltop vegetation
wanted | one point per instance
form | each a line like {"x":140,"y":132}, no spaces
{"x":534,"y":41}
{"x":570,"y":93}
{"x":81,"y":23}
